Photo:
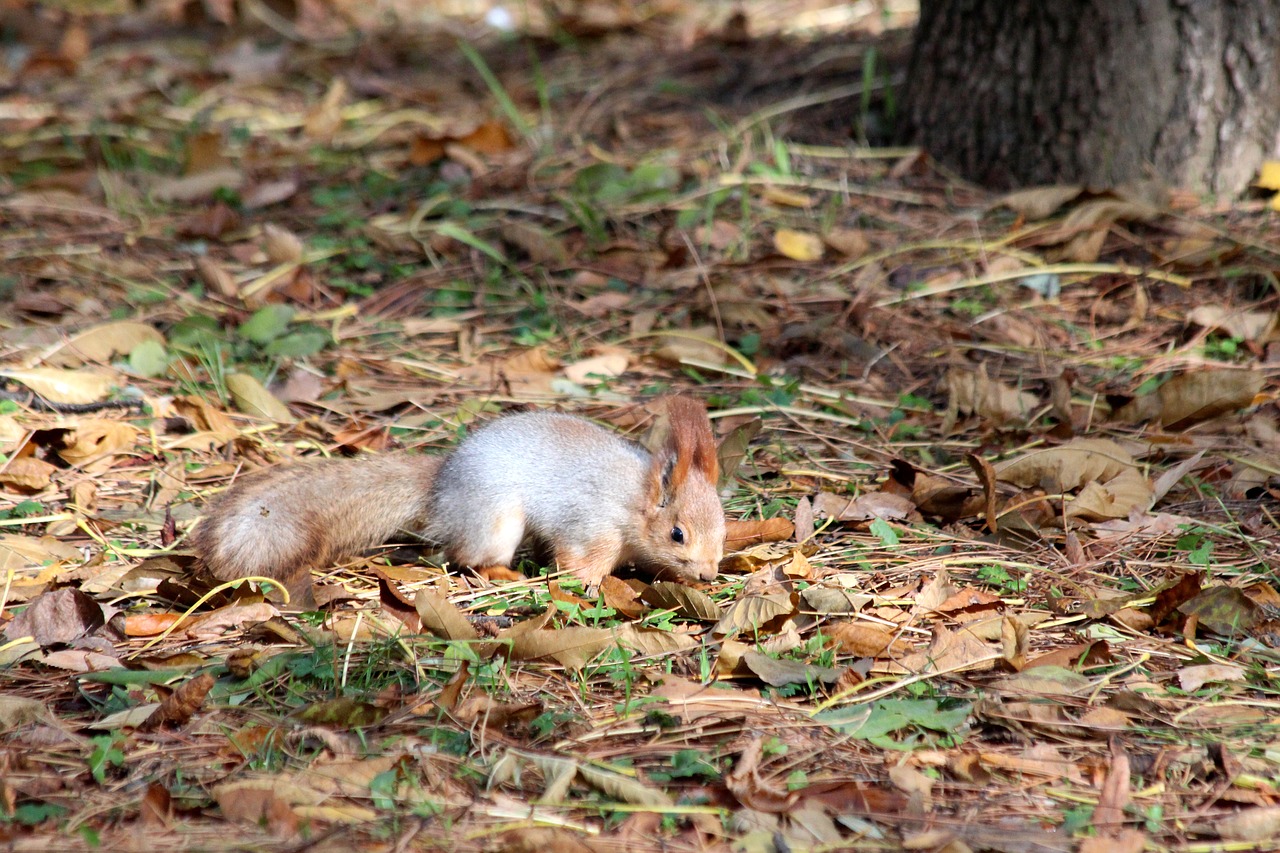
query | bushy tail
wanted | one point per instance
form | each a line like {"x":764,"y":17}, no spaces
{"x":284,"y":522}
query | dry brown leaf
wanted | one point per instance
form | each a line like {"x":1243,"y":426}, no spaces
{"x":756,"y":614}
{"x":197,"y":187}
{"x":749,"y":786}
{"x":865,"y":507}
{"x":281,"y":244}
{"x":1039,"y":202}
{"x":59,"y":616}
{"x":597,"y":368}
{"x":252,"y":398}
{"x":101,"y":343}
{"x":325,"y":118}
{"x":690,"y":347}
{"x":1113,"y":798}
{"x":1191,"y":398}
{"x":686,"y":601}
{"x":973,"y":392}
{"x":743,"y":534}
{"x":264,"y":802}
{"x":79,"y":660}
{"x":441,"y":618}
{"x":694,"y":700}
{"x":1260,"y":326}
{"x":1192,"y":678}
{"x":97,"y":439}
{"x":653,"y":641}
{"x":572,"y":647}
{"x":952,"y":651}
{"x":233,"y":617}
{"x":180,"y":706}
{"x":866,"y":639}
{"x":28,"y":473}
{"x":542,"y":247}
{"x":1257,"y":824}
{"x":623,"y":597}
{"x":1124,"y":841}
{"x":1110,"y":483}
{"x":850,"y":242}
{"x":66,"y":386}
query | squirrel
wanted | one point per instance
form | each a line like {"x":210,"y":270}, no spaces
{"x":596,"y":500}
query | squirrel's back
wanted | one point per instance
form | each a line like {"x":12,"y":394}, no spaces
{"x":539,"y":474}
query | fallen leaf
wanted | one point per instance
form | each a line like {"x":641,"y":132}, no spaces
{"x":1039,"y":202}
{"x":441,"y":618}
{"x":742,"y":534}
{"x":180,"y":706}
{"x":101,"y":343}
{"x":755,"y":614}
{"x":1190,"y":398}
{"x":59,"y":616}
{"x":90,"y":440}
{"x":798,"y":245}
{"x":65,"y":386}
{"x":1260,"y":326}
{"x":1192,"y":678}
{"x":1257,"y":824}
{"x":973,"y":392}
{"x":252,"y":398}
{"x":597,"y":368}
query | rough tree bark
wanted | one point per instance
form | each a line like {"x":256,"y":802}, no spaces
{"x":1099,"y":92}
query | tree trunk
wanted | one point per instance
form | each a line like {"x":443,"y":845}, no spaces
{"x":1099,"y":92}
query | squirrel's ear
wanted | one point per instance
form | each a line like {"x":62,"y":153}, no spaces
{"x":684,"y":442}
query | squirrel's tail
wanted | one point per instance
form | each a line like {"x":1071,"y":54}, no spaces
{"x":282,"y":523}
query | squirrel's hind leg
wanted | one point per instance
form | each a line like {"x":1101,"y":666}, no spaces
{"x":490,"y":542}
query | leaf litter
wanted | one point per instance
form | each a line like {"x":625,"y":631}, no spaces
{"x":1003,"y":510}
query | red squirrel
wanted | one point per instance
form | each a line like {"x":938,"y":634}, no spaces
{"x":594,"y":499}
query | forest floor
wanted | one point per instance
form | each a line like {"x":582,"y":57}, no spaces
{"x":1009,"y":463}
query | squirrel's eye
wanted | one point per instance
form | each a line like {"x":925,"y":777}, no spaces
{"x":677,"y":535}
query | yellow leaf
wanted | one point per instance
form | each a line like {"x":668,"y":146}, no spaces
{"x":1269,"y":176}
{"x":253,"y":399}
{"x":789,"y":198}
{"x":798,"y":245}
{"x":102,"y":342}
{"x":1274,"y":204}
{"x":65,"y":386}
{"x":96,"y":439}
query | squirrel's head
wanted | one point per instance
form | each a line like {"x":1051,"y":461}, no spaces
{"x":683,"y":535}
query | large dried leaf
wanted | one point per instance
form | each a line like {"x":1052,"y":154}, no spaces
{"x":252,"y":398}
{"x":572,"y":647}
{"x":653,"y":641}
{"x":1039,"y":202}
{"x":96,"y":439}
{"x":441,"y":618}
{"x":1260,"y":326}
{"x":973,"y":392}
{"x":755,"y":614}
{"x":65,"y":386}
{"x":686,"y":601}
{"x":60,"y":616}
{"x":1191,"y":398}
{"x":1068,"y":467}
{"x":103,"y":342}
